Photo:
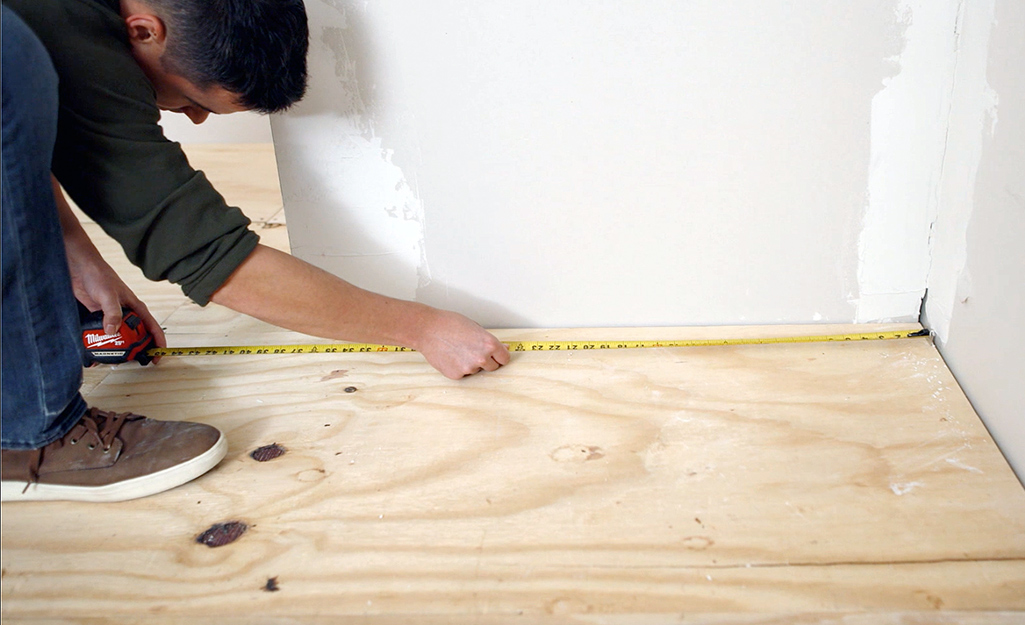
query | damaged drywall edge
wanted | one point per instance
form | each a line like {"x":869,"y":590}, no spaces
{"x":973,"y":118}
{"x":423,"y":270}
{"x":908,"y":130}
{"x":890,"y":307}
{"x":367,"y":197}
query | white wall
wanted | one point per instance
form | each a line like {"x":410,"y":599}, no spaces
{"x":594,"y":163}
{"x":976,"y":301}
{"x":234,"y":128}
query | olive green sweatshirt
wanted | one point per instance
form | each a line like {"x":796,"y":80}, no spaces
{"x":113,"y":160}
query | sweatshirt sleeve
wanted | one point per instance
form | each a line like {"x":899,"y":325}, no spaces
{"x":168,"y":218}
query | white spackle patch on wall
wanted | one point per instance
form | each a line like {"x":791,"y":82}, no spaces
{"x":351,"y":209}
{"x":909,"y":127}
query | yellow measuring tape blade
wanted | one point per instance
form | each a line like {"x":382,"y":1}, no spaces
{"x":525,"y":346}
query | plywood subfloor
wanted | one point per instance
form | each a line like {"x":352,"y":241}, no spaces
{"x":843,"y":482}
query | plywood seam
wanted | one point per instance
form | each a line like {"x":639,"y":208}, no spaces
{"x":781,"y":565}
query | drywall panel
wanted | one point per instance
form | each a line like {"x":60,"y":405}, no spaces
{"x":976,"y":302}
{"x":580,"y":163}
{"x":247,"y":127}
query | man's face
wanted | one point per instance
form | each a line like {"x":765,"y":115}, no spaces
{"x":148,"y":38}
{"x":175,"y":93}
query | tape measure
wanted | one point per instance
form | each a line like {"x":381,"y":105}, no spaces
{"x":524,"y":346}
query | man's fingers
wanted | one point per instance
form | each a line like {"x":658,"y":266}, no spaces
{"x":502,"y":356}
{"x":150,"y":322}
{"x":499,"y":356}
{"x":486,"y":365}
{"x":111,"y":315}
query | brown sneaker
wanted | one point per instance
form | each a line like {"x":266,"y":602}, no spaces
{"x":112,"y":457}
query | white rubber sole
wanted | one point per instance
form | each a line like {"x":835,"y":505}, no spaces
{"x":134,"y":488}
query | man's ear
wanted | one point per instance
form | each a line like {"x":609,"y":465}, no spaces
{"x":146,"y":29}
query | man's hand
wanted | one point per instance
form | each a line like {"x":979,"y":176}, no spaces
{"x":287,"y":292}
{"x":98,"y":287}
{"x":95,"y":284}
{"x":458,"y":347}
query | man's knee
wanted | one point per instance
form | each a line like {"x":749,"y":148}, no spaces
{"x":29,"y":78}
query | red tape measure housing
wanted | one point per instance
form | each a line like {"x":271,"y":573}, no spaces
{"x":130,"y":343}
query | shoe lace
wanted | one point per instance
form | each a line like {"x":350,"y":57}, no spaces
{"x":99,"y":425}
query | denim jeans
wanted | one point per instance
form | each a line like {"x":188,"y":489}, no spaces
{"x":42,"y":353}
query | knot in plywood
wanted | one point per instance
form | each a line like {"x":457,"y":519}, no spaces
{"x":267,"y":452}
{"x":220,"y":534}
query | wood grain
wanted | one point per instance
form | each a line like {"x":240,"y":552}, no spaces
{"x":781,"y":478}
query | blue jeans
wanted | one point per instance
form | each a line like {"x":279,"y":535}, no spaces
{"x":42,"y":353}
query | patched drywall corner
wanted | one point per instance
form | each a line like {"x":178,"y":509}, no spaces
{"x":976,"y":295}
{"x":973,"y":118}
{"x":910,"y":117}
{"x":351,"y":209}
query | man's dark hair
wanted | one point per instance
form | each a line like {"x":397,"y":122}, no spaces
{"x":253,"y":48}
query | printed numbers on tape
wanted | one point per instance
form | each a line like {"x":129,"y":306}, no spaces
{"x":526,"y":346}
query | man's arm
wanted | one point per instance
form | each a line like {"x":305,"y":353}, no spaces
{"x":94,"y":282}
{"x":287,"y":292}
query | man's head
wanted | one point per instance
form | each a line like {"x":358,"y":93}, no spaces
{"x":220,"y":56}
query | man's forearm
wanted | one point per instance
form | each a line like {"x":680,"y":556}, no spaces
{"x":287,"y":292}
{"x":74,"y":235}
